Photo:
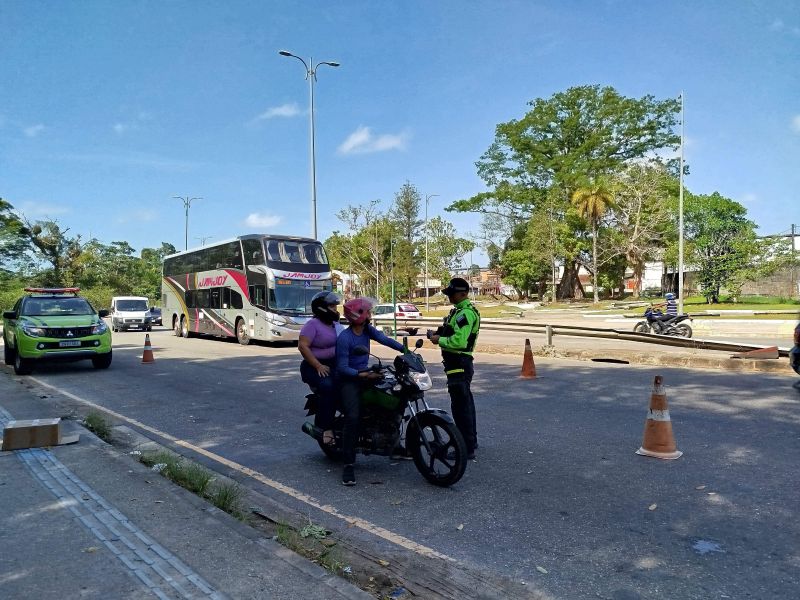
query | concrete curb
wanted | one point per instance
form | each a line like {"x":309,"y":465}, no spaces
{"x":666,"y":359}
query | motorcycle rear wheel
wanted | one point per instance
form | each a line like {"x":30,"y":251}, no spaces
{"x":682,"y":330}
{"x":442,"y":438}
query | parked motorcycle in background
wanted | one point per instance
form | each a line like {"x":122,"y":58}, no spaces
{"x":676,"y":326}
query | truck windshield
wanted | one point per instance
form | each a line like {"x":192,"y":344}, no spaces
{"x":131,"y":305}
{"x":56,"y":307}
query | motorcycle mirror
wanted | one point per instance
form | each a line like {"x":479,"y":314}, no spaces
{"x":419,"y":343}
{"x":360,"y":351}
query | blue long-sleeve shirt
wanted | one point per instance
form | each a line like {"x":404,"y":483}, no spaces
{"x":349,"y":364}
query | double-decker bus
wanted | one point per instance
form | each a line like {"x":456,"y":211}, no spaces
{"x":253,"y":287}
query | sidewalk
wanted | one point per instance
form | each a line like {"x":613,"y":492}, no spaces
{"x":85,"y":521}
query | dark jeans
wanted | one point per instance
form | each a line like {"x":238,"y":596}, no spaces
{"x":325,"y":388}
{"x":350,"y":391}
{"x":459,"y":371}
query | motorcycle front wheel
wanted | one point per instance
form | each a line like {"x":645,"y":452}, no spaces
{"x":641,"y":327}
{"x":437,"y":448}
{"x":682,"y":330}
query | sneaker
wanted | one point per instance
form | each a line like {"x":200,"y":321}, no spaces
{"x":348,"y":475}
{"x":451,"y":454}
{"x":400,"y":453}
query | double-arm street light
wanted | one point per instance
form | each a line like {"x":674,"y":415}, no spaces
{"x":311,"y":76}
{"x":427,"y":292}
{"x":187,"y":202}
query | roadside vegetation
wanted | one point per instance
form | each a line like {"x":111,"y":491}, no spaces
{"x":97,"y":424}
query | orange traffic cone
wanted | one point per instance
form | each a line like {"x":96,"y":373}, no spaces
{"x":659,"y":441}
{"x":528,"y":366}
{"x":147,"y":356}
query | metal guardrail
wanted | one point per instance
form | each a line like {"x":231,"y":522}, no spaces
{"x":579,"y":331}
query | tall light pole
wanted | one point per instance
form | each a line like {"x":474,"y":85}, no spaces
{"x":394,"y":301}
{"x":203,"y":239}
{"x":187,"y":203}
{"x":427,"y":291}
{"x":311,"y":76}
{"x":680,"y":224}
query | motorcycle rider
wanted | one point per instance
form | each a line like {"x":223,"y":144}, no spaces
{"x":456,"y":338}
{"x":353,"y":375}
{"x":318,"y":346}
{"x":671,"y":306}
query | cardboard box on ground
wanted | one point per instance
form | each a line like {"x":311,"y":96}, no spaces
{"x":35,"y":433}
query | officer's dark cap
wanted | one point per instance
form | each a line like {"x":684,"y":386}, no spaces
{"x":456,"y":285}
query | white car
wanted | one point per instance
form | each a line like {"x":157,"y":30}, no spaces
{"x":403,"y":311}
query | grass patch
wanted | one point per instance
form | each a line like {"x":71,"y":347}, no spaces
{"x":97,"y":424}
{"x":228,"y":497}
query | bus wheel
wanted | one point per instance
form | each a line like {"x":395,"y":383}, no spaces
{"x":184,"y":328}
{"x":241,"y":332}
{"x":176,"y":326}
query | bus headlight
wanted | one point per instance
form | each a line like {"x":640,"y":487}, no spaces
{"x":423,"y":380}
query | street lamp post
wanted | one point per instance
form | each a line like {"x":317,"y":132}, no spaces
{"x":427,"y":291}
{"x":187,"y":202}
{"x":394,"y":302}
{"x":203,"y":239}
{"x":311,"y":76}
{"x":680,"y":224}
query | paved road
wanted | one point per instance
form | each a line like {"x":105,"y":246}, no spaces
{"x":557,"y":486}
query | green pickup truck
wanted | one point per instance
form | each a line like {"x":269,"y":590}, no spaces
{"x":54,"y":324}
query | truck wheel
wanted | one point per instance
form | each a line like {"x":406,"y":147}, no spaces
{"x":22,"y":366}
{"x":101,"y":361}
{"x":8,"y":353}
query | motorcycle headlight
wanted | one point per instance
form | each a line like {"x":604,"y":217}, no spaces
{"x":32,"y":330}
{"x":101,"y":327}
{"x":422,"y":380}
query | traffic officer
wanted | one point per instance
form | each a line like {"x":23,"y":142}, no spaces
{"x":457,"y":337}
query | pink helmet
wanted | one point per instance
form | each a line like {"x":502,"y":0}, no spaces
{"x":357,"y":310}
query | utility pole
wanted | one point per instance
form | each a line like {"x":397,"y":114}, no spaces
{"x":795,"y":291}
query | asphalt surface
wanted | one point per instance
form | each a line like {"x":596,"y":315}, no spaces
{"x":556,"y":487}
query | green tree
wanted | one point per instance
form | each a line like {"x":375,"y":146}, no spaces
{"x":723,"y":240}
{"x":52,"y":246}
{"x":13,"y":238}
{"x":592,"y":202}
{"x":581,"y":134}
{"x":404,"y":216}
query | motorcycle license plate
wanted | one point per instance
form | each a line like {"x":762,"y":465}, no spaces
{"x":69,"y":344}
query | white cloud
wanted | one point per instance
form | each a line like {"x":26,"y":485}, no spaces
{"x":748,"y":198}
{"x":138,"y":160}
{"x":362,"y":141}
{"x":32,"y":209}
{"x":33,"y":130}
{"x":777,"y":25}
{"x":261,"y":221}
{"x":796,"y":123}
{"x":284,"y":110}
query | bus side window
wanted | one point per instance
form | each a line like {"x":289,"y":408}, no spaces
{"x":257,"y":296}
{"x":236,"y":299}
{"x":214,"y":298}
{"x":253,"y":252}
{"x":191,"y":299}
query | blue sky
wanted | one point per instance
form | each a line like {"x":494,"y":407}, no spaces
{"x":109,"y":108}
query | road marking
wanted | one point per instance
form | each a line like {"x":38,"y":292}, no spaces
{"x":363,"y":524}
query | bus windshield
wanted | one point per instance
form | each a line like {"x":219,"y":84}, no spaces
{"x":292,"y":296}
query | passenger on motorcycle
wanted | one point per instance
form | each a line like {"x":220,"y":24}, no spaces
{"x":353,"y":375}
{"x":318,"y":346}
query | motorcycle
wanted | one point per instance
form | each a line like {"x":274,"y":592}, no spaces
{"x":432,"y":439}
{"x":653,"y":324}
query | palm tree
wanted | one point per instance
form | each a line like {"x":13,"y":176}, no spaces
{"x":592,"y":201}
